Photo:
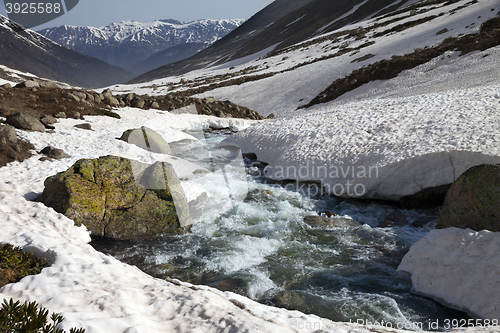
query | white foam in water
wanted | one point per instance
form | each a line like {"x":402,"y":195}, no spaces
{"x":260,"y":284}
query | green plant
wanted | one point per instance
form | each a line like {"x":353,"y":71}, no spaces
{"x":28,"y":318}
{"x":16,"y":264}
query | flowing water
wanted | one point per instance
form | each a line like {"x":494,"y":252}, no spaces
{"x":258,"y":245}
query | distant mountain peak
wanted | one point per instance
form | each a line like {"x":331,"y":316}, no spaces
{"x":127,"y":43}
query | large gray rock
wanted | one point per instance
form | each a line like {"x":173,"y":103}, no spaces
{"x":147,"y":139}
{"x":89,"y":97}
{"x":473,"y":201}
{"x":54,"y":153}
{"x":138,"y":103}
{"x":71,"y":96}
{"x":97,"y":98}
{"x":9,"y":133}
{"x":85,"y":126}
{"x":48,"y":84}
{"x":25,"y":122}
{"x":81,"y":95}
{"x":129,"y":97}
{"x":107,"y":93}
{"x":111,"y":101}
{"x":119,"y":198}
{"x":48,"y":120}
{"x":28,"y":84}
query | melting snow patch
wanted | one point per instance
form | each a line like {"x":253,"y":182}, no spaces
{"x":459,"y":268}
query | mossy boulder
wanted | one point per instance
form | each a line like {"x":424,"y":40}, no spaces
{"x":138,"y":103}
{"x":118,"y":198}
{"x":111,"y":101}
{"x":147,"y":139}
{"x":473,"y":201}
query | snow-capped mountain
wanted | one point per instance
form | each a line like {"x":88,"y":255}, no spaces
{"x":347,"y":62}
{"x":28,"y":51}
{"x":281,"y":24}
{"x":129,"y":42}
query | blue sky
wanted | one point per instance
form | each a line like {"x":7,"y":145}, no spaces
{"x":103,"y":12}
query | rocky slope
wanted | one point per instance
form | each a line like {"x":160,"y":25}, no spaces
{"x":281,"y":24}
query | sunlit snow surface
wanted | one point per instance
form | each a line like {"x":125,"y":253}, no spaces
{"x":382,"y":148}
{"x":461,"y":272}
{"x":282,"y":93}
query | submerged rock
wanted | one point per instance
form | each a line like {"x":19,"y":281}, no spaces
{"x":326,"y":222}
{"x":119,"y":198}
{"x":473,"y":201}
{"x":394,"y":219}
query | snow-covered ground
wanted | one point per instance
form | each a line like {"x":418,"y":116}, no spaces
{"x":382,"y":148}
{"x":387,"y":140}
{"x":284,"y":92}
{"x":95,"y":291}
{"x":459,"y":268}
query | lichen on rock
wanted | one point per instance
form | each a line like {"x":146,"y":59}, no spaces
{"x":473,"y":201}
{"x":114,"y":197}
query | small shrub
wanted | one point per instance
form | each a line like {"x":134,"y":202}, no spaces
{"x":16,"y":264}
{"x":491,"y":24}
{"x":28,"y":318}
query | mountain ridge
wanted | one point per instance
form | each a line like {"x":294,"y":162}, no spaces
{"x":290,"y":27}
{"x":28,"y":51}
{"x":129,"y":43}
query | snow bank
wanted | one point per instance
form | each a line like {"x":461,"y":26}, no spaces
{"x":383,"y":149}
{"x":2,"y":82}
{"x":458,"y":268}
